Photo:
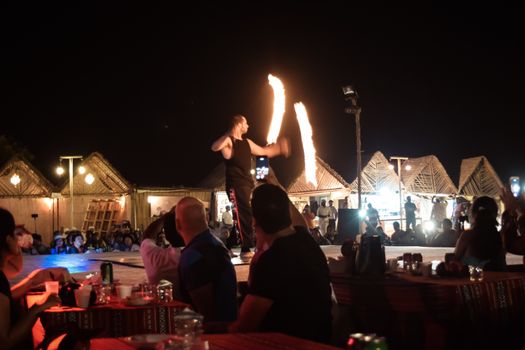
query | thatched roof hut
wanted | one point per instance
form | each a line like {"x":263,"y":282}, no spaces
{"x":427,"y":176}
{"x":328,"y":180}
{"x":32,"y":195}
{"x":478,"y":178}
{"x":377,"y":176}
{"x":108,"y":181}
{"x":32,"y":182}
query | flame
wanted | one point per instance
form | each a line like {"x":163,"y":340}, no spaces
{"x":278,"y":108}
{"x":310,"y":166}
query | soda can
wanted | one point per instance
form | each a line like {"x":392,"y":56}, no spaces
{"x":106,"y":272}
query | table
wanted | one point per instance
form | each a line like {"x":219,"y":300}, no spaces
{"x":232,"y":341}
{"x":110,"y":320}
{"x":432,"y":312}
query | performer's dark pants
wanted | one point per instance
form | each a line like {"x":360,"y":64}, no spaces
{"x":242,"y":195}
{"x":411,"y":220}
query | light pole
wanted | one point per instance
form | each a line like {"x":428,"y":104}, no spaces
{"x":399,"y":159}
{"x":60,"y":171}
{"x":351,"y":95}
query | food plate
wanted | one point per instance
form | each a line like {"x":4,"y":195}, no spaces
{"x":137,"y":301}
{"x":145,"y":341}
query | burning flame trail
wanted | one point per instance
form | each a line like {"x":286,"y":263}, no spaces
{"x":310,"y":166}
{"x":278,"y":108}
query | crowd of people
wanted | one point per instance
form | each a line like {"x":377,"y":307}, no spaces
{"x":121,"y":238}
{"x":444,"y":231}
{"x":289,"y":287}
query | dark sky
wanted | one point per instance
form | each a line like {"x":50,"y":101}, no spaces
{"x":152,"y":87}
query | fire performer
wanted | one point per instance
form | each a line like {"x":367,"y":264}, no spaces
{"x":237,"y":152}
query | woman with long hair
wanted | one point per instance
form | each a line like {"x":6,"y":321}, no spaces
{"x":482,"y":245}
{"x":15,"y":326}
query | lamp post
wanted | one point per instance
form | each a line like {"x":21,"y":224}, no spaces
{"x":354,"y":108}
{"x":399,"y":159}
{"x":60,"y":171}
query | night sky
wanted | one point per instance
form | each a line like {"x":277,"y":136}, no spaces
{"x":152,"y":87}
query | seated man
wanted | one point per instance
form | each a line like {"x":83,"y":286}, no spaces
{"x":162,"y":263}
{"x":447,"y":238}
{"x":400,"y":237}
{"x":207,"y":277}
{"x":289,"y":283}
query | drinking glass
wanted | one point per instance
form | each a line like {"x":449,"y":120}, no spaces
{"x":149,"y":291}
{"x":188,"y":327}
{"x":476,"y":273}
{"x":103,"y":293}
{"x":165,"y":293}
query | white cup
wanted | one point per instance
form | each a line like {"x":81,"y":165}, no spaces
{"x":124,"y":291}
{"x":52,"y":287}
{"x":82,"y":297}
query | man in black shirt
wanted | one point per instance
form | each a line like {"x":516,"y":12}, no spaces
{"x":237,"y":152}
{"x":410,"y":212}
{"x":289,"y":283}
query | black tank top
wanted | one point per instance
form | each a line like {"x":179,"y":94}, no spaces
{"x":239,"y":165}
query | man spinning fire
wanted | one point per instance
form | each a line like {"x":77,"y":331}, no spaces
{"x":237,"y":152}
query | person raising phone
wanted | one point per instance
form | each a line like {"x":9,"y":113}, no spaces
{"x":237,"y":152}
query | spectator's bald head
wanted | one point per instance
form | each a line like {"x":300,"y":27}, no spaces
{"x":190,"y":218}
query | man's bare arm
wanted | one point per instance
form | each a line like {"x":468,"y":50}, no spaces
{"x":253,"y":310}
{"x":224,"y":145}
{"x":282,"y":147}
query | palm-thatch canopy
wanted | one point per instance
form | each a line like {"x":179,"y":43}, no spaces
{"x":107,"y":179}
{"x":377,"y":175}
{"x":328,"y":180}
{"x":32,"y":182}
{"x":478,"y":178}
{"x":427,"y":176}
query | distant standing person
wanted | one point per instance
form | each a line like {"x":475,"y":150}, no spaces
{"x":373,"y":215}
{"x":237,"y":152}
{"x":323,"y":212}
{"x":331,"y":220}
{"x":227,"y":219}
{"x":410,"y":212}
{"x":439,"y":210}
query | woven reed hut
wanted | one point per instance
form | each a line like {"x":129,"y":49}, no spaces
{"x":478,"y":178}
{"x":32,"y":195}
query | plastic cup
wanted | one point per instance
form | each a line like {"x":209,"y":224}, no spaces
{"x":82,"y":297}
{"x":52,"y":287}
{"x":124,"y":291}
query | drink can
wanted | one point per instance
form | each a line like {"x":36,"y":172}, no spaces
{"x":106,"y":272}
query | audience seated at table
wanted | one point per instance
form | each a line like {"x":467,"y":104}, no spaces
{"x":159,"y":262}
{"x":78,"y":244}
{"x":513,"y":222}
{"x":58,"y":246}
{"x":15,"y":325}
{"x":408,"y":237}
{"x":447,"y":238}
{"x":482,"y":245}
{"x":289,"y":283}
{"x":207,"y":277}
